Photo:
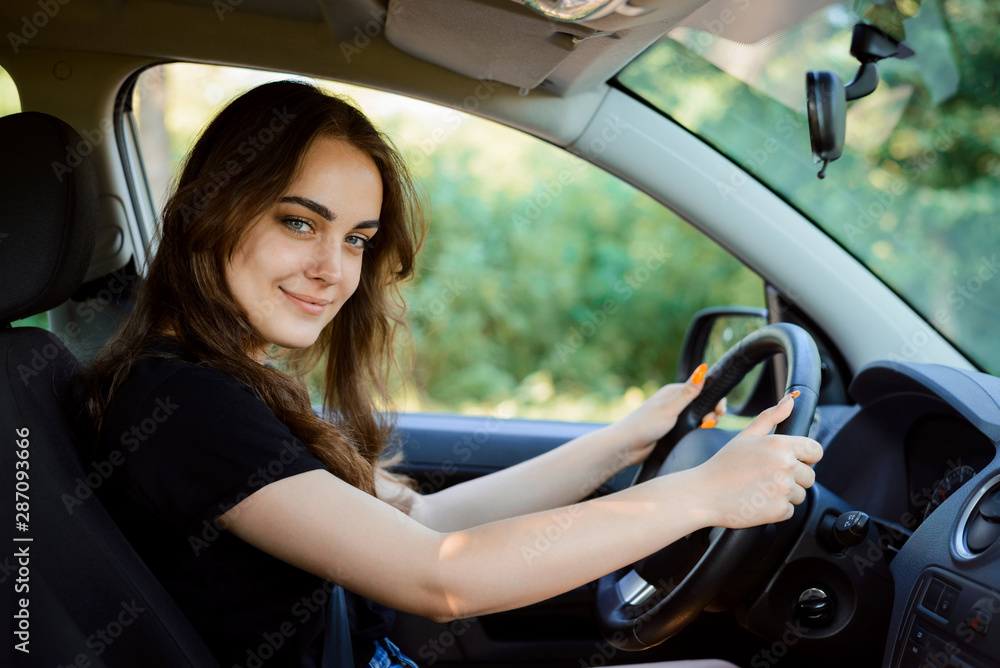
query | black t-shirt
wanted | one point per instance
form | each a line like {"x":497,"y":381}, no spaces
{"x":188,"y":443}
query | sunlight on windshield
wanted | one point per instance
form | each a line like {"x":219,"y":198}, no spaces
{"x":915,"y":195}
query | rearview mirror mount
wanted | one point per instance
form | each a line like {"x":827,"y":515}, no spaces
{"x":827,"y":96}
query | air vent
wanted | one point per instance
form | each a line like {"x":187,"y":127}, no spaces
{"x":979,"y":528}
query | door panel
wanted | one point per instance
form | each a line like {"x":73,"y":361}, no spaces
{"x":440,"y":450}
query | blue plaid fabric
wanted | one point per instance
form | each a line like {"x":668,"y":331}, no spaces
{"x":387,"y":655}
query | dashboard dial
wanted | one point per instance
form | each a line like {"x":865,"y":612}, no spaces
{"x":952,"y":480}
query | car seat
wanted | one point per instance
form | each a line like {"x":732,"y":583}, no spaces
{"x":70,"y":583}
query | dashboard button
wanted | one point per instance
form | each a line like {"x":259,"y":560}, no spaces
{"x":914,"y":650}
{"x":937,"y":653}
{"x":918,"y":635}
{"x":947,"y":602}
{"x":979,"y":621}
{"x":933,"y":595}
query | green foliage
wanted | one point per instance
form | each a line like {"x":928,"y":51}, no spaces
{"x":545,"y":278}
{"x":916,"y":192}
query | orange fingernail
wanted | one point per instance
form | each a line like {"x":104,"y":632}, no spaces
{"x":699,"y":374}
{"x":708,"y":424}
{"x":794,"y":394}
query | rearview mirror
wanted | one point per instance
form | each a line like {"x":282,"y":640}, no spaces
{"x":827,"y":96}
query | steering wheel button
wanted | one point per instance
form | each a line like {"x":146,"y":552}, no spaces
{"x":918,"y":635}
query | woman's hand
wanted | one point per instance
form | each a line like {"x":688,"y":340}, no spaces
{"x":759,"y":477}
{"x":643,"y":427}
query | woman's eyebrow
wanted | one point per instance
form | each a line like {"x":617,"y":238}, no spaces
{"x":315,"y":207}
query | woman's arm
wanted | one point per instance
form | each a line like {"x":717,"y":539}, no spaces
{"x":555,"y":478}
{"x":321,"y":524}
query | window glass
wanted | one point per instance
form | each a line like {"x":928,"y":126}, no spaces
{"x":547,"y":287}
{"x":916,"y":192}
{"x":10,"y":101}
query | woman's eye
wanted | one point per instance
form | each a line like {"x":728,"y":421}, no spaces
{"x":359,"y":242}
{"x":297,"y":225}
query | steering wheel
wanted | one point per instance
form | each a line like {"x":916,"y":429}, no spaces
{"x":634,"y":614}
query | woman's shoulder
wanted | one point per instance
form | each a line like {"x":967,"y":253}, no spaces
{"x":164,"y":363}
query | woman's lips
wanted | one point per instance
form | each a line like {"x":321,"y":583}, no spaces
{"x":308,"y":307}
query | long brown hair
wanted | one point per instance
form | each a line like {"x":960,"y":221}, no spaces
{"x":241,"y":165}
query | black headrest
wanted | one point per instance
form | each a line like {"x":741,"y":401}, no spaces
{"x":48,"y":213}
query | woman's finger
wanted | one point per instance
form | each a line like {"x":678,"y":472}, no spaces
{"x":710,"y":419}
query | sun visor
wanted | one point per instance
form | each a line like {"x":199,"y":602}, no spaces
{"x":504,"y":41}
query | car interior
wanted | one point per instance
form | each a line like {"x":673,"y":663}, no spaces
{"x":869,"y":290}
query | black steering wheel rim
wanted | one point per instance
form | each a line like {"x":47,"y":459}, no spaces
{"x":636,"y":626}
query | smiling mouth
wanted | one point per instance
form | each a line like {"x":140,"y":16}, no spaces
{"x":310,"y":307}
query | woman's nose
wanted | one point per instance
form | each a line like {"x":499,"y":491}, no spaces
{"x":326,"y":263}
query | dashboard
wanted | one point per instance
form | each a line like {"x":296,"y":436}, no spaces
{"x":919,"y":456}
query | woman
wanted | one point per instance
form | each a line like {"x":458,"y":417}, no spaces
{"x":291,"y":227}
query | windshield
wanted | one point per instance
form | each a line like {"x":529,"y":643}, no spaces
{"x":916,"y":194}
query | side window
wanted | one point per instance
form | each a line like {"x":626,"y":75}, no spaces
{"x":10,"y":101}
{"x":547,"y":287}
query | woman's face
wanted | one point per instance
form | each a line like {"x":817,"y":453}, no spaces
{"x":302,"y":259}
